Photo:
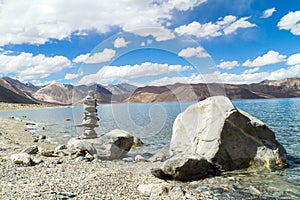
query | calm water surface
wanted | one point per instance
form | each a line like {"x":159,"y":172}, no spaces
{"x":152,"y":122}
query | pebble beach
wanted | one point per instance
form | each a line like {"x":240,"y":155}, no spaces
{"x":63,"y":175}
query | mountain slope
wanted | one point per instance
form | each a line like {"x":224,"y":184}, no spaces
{"x":12,"y":90}
{"x":11,"y":93}
{"x":69,"y":94}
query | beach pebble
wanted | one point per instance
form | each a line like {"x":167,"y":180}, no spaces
{"x":47,"y":153}
{"x":21,"y":159}
{"x":154,"y":189}
{"x":56,"y":162}
{"x":31,"y":150}
{"x":139,"y":158}
{"x":61,"y":147}
{"x":137,"y":142}
{"x":158,"y":157}
{"x":37,"y":160}
{"x":128,"y":159}
{"x":42,"y":137}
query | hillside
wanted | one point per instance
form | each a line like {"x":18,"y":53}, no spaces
{"x":12,"y":90}
{"x":69,"y":94}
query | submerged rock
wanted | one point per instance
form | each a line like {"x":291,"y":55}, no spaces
{"x":213,"y":136}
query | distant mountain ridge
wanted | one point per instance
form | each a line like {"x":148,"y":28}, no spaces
{"x":14,"y":91}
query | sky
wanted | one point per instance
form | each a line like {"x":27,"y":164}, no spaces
{"x":149,"y":42}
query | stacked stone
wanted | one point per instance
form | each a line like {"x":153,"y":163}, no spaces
{"x":90,"y":119}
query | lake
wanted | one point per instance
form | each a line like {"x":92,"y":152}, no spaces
{"x":152,"y":122}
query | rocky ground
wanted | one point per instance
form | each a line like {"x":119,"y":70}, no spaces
{"x":60,"y":174}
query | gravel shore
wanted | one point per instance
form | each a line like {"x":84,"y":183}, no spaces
{"x":63,"y":176}
{"x":18,"y":106}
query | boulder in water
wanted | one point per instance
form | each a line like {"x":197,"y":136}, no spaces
{"x":213,"y":136}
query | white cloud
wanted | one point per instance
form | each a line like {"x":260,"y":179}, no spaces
{"x":240,"y":23}
{"x":268,"y":13}
{"x":290,"y":22}
{"x":272,"y":57}
{"x":252,"y":70}
{"x":99,"y":57}
{"x":120,"y":42}
{"x":183,"y":5}
{"x":249,"y":76}
{"x":36,"y":22}
{"x":294,"y":59}
{"x":26,"y":66}
{"x":190,"y":52}
{"x":70,"y":76}
{"x":228,"y":64}
{"x":111,"y":73}
{"x":224,"y":26}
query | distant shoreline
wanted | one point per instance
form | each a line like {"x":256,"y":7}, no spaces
{"x":23,"y":106}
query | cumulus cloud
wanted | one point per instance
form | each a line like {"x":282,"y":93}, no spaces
{"x":294,"y":59}
{"x":99,"y":57}
{"x":36,"y":22}
{"x":224,"y":26}
{"x":247,"y":77}
{"x":268,"y":13}
{"x":120,"y":42}
{"x":290,"y":22}
{"x":111,"y":73}
{"x":272,"y":57}
{"x":183,"y":5}
{"x":228,"y":64}
{"x":70,"y":76}
{"x":190,"y":52}
{"x":27,"y":66}
{"x":249,"y":71}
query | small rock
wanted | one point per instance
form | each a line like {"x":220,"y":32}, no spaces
{"x":47,"y":153}
{"x":56,"y":162}
{"x":21,"y":159}
{"x":79,"y":159}
{"x":30,"y":124}
{"x":61,"y":147}
{"x":89,"y":157}
{"x":68,"y":194}
{"x":42,"y":137}
{"x":67,"y":119}
{"x":128,"y":159}
{"x":37,"y":160}
{"x":35,"y":139}
{"x":82,"y":145}
{"x":154,"y":189}
{"x":34,"y":149}
{"x":255,"y":190}
{"x":158,"y":157}
{"x":137,"y":142}
{"x":139,"y":158}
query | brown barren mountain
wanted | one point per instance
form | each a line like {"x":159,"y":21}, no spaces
{"x":14,"y":91}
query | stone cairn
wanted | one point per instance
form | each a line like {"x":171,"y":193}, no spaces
{"x":90,"y":119}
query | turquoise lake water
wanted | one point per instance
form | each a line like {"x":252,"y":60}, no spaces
{"x":152,"y":122}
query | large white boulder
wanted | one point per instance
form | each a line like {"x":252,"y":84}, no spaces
{"x":226,"y":138}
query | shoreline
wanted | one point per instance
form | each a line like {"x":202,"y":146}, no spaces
{"x":63,"y":176}
{"x":21,"y":106}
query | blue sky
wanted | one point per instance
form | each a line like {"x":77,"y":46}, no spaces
{"x":146,"y":42}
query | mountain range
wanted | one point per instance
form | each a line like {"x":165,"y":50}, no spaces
{"x":14,"y":91}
